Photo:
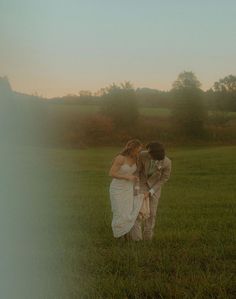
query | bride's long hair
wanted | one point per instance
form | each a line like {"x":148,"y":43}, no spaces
{"x":130,"y":146}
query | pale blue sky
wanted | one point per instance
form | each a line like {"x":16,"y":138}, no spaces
{"x":62,"y":46}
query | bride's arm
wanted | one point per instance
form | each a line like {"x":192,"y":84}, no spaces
{"x":114,"y":171}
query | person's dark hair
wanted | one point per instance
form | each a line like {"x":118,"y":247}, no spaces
{"x":156,"y":150}
{"x":130,"y":146}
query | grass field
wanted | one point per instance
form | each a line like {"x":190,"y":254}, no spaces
{"x":63,"y":110}
{"x":161,"y":112}
{"x":193,"y":251}
{"x":85,"y":110}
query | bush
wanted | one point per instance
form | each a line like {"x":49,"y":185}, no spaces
{"x":120,"y":104}
{"x":219,"y":118}
{"x":96,"y":130}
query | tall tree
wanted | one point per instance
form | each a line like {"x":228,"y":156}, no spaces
{"x":186,"y":80}
{"x":188,"y":111}
{"x":120,"y":104}
{"x":225,"y":90}
{"x":227,"y":84}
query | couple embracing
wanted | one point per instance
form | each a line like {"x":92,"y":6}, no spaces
{"x":137,"y":178}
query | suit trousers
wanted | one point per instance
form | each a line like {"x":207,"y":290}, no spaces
{"x":136,"y":233}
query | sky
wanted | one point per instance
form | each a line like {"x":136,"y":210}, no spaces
{"x":58,"y":47}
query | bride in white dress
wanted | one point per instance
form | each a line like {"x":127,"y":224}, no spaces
{"x":125,"y":205}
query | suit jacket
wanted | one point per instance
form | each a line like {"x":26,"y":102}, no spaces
{"x":160,"y":175}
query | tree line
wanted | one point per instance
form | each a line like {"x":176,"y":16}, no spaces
{"x":222,"y":95}
{"x":29,"y":119}
{"x":189,"y":109}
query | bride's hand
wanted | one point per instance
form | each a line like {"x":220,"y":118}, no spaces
{"x":133,"y":178}
{"x":146,"y":195}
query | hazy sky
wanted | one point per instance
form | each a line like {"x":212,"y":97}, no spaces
{"x":56,"y":47}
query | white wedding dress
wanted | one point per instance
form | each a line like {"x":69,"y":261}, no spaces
{"x":125,"y":206}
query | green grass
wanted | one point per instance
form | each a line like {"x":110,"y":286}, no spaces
{"x":192,"y":254}
{"x":85,"y":110}
{"x":72,"y":110}
{"x":152,"y":111}
{"x":63,"y":110}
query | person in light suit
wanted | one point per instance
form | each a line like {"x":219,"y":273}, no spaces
{"x":153,"y":169}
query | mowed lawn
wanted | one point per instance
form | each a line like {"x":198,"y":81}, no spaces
{"x":86,"y":110}
{"x":80,"y":111}
{"x":193,"y":252}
